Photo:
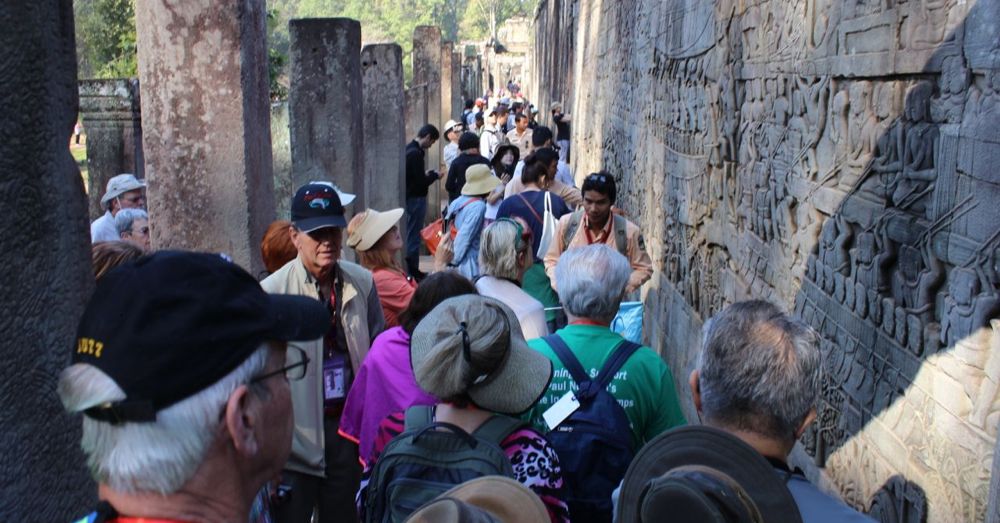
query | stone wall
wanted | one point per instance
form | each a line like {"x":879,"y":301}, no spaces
{"x":837,"y":158}
{"x":550,"y":78}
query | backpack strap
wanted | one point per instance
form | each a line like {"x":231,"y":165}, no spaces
{"x":530,"y":208}
{"x":621,"y":235}
{"x":568,"y":359}
{"x":572,"y":226}
{"x":418,"y":416}
{"x":622,"y":353}
{"x":497,"y":428}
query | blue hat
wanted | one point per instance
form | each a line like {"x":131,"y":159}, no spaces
{"x":317,"y":205}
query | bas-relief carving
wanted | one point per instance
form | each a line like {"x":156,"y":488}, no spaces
{"x":797,"y":168}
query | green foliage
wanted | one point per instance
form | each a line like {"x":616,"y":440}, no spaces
{"x":106,"y":40}
{"x":277,"y":55}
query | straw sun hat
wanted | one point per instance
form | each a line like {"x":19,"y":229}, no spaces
{"x":373,"y":226}
{"x":479,"y":180}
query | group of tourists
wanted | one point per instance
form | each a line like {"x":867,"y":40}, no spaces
{"x":493,"y":389}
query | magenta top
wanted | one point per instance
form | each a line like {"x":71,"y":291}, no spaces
{"x":384,"y":384}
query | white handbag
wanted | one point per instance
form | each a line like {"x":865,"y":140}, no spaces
{"x":548,"y":227}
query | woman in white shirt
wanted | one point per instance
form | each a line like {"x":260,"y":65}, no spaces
{"x":504,"y":256}
{"x":452,"y":130}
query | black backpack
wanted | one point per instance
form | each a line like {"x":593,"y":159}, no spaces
{"x":422,"y":463}
{"x":594,"y":443}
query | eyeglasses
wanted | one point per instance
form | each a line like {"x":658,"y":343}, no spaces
{"x":134,"y":199}
{"x":293,"y":371}
{"x":597,"y":178}
{"x":142,"y":230}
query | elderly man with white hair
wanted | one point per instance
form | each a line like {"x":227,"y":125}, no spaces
{"x":185,"y":394}
{"x":133,"y":227}
{"x":592,"y":281}
{"x":124,"y":191}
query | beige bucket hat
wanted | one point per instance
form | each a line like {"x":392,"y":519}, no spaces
{"x":373,"y":226}
{"x":472,"y":345}
{"x":479,"y":179}
{"x":119,"y":185}
{"x":485,"y":499}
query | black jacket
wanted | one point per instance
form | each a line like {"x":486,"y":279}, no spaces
{"x":417,"y":180}
{"x":456,"y":173}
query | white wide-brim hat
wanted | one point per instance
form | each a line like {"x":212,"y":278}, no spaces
{"x":374,"y":225}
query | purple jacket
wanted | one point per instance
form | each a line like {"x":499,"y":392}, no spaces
{"x":384,"y":385}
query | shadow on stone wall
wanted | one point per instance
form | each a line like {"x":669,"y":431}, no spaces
{"x":837,"y":157}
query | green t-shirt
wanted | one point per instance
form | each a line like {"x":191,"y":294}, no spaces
{"x":643,"y":386}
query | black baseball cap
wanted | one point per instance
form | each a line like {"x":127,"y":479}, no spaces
{"x":317,"y":205}
{"x":171,"y":324}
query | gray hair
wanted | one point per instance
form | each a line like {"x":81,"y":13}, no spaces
{"x":126,"y":217}
{"x":501,"y":244}
{"x":591,"y":281}
{"x":759,"y":370}
{"x":157,"y":457}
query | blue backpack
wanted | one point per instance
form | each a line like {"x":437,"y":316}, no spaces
{"x":594,"y":443}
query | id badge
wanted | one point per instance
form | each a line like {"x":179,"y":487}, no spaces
{"x":561,"y":410}
{"x":334,"y":371}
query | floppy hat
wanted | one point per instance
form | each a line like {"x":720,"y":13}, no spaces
{"x":699,"y":473}
{"x":452,"y":343}
{"x":502,"y":149}
{"x":119,"y":185}
{"x":317,"y":205}
{"x":485,"y":499}
{"x":479,"y":180}
{"x":373,"y":226}
{"x":555,"y":105}
{"x":196,"y":319}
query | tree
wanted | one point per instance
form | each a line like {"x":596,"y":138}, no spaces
{"x":106,"y":41}
{"x":483,"y":18}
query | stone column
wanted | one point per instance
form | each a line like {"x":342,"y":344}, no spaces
{"x":325,"y":104}
{"x":46,"y":253}
{"x":416,"y":110}
{"x":457,"y":103}
{"x":384,"y":125}
{"x":427,"y":72}
{"x":207,"y":133}
{"x":447,"y":99}
{"x":110,"y":112}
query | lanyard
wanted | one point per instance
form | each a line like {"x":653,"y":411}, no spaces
{"x":603,"y":237}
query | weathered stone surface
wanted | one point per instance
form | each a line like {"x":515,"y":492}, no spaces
{"x":46,"y":258}
{"x":447,"y":100}
{"x":384,"y":125}
{"x":206,"y":128}
{"x":427,"y":73}
{"x":837,"y":158}
{"x":457,"y":103}
{"x":552,"y":57}
{"x":281,"y":154}
{"x":325,"y":104}
{"x":416,"y":110}
{"x":111,"y":116}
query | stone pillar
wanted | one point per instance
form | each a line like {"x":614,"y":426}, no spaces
{"x":110,"y":112}
{"x":447,"y":99}
{"x":384,"y":125}
{"x":281,"y":153}
{"x":207,"y":133}
{"x":427,"y":72}
{"x":47,"y":276}
{"x":325,"y":104}
{"x":993,"y":500}
{"x":416,"y":110}
{"x":457,"y":103}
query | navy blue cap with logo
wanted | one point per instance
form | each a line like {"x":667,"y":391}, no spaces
{"x":317,"y":205}
{"x":171,"y":324}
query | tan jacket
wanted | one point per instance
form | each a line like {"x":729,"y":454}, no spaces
{"x":361,"y":318}
{"x":638,"y":258}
